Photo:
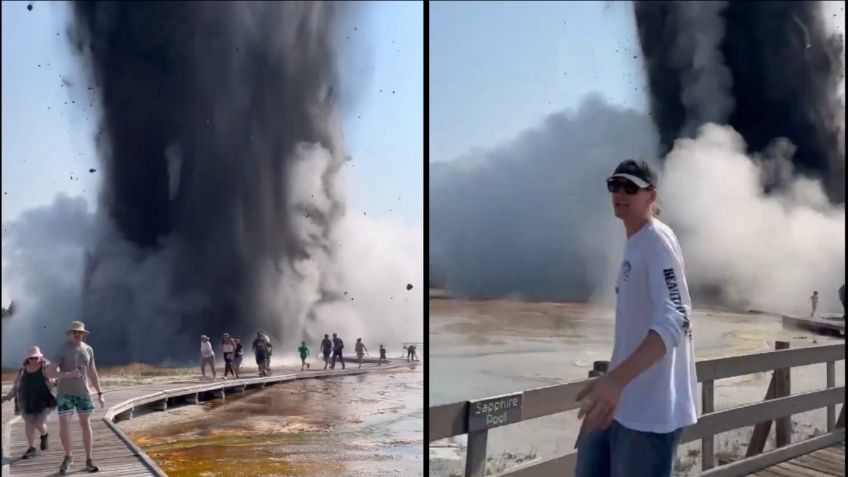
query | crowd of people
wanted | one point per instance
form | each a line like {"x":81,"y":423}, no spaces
{"x":331,"y":349}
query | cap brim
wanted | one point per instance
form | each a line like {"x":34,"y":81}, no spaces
{"x":639,"y":182}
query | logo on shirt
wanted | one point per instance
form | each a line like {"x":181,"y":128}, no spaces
{"x":625,"y":270}
{"x":676,"y":298}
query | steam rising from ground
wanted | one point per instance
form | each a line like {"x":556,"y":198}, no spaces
{"x":44,"y":262}
{"x":759,"y":212}
{"x":532,"y":219}
{"x":767,"y":252}
{"x":222,"y":202}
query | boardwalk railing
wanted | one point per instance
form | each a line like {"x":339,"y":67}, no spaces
{"x":476,"y":417}
{"x":196,"y":393}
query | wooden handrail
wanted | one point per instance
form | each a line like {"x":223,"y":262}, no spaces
{"x":448,"y":420}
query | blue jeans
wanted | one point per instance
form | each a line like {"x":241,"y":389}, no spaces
{"x":622,"y":452}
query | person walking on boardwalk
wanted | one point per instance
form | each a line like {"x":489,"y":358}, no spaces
{"x":304,"y":352}
{"x":238,"y":356}
{"x":268,"y":356}
{"x":410,"y":353}
{"x":228,"y":349}
{"x":383,"y":358}
{"x":326,"y":349}
{"x":842,"y":299}
{"x":360,"y":350}
{"x":260,"y":349}
{"x":207,"y":356}
{"x":74,"y":392}
{"x":338,"y":346}
{"x":814,"y":303}
{"x":34,"y":398}
{"x":633,"y":416}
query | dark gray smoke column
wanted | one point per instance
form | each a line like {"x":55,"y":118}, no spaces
{"x":782,"y":64}
{"x":204,"y":106}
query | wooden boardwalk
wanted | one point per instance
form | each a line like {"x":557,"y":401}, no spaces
{"x":827,"y":462}
{"x":828,"y":323}
{"x":113,"y":452}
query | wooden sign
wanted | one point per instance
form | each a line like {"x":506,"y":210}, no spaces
{"x":494,"y":412}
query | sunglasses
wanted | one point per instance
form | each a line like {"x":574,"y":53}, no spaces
{"x":32,"y":359}
{"x":77,"y":333}
{"x":629,"y":188}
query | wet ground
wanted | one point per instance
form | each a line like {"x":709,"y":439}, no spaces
{"x":486,"y":348}
{"x":362,"y":425}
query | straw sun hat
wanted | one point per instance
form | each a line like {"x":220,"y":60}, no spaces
{"x":77,"y":326}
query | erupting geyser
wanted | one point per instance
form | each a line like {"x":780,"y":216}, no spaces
{"x":768,"y":69}
{"x":221,"y":152}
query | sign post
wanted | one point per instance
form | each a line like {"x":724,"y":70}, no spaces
{"x":482,"y":416}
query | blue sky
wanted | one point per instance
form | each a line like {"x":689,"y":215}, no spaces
{"x":498,"y":68}
{"x":47,"y":145}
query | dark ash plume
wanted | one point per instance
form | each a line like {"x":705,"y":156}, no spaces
{"x":220,"y":151}
{"x":776,"y":61}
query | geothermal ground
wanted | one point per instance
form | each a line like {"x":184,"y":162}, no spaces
{"x":316,"y":427}
{"x":485,"y":348}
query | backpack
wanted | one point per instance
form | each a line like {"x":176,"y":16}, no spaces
{"x":262,"y":346}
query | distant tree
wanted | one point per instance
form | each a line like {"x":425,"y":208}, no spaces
{"x":7,"y":312}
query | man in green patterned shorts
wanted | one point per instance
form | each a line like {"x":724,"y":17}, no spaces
{"x":75,"y":393}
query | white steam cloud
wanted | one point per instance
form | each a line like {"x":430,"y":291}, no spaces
{"x":532,"y":218}
{"x":47,"y":269}
{"x":767,"y":252}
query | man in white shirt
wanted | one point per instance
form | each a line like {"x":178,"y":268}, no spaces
{"x":207,"y":356}
{"x":634,"y":415}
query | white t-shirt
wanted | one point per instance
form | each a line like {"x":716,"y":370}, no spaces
{"x":206,"y":349}
{"x":653,"y":295}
